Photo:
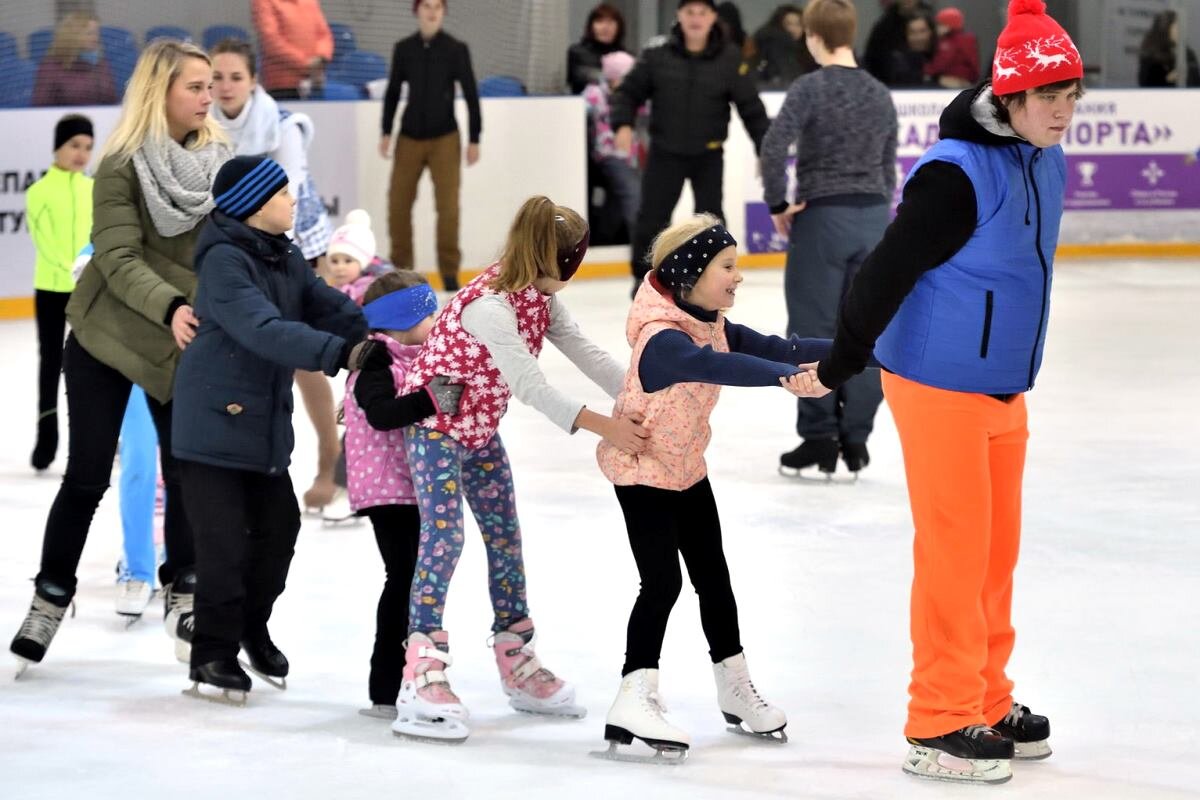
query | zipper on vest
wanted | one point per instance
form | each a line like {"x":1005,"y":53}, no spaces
{"x":987,"y":325}
{"x":1025,"y":180}
{"x":1045,"y":270}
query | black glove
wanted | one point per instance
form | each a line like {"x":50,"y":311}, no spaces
{"x":445,"y":395}
{"x":367,"y":354}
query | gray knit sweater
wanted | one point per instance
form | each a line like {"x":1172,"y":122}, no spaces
{"x":843,"y":124}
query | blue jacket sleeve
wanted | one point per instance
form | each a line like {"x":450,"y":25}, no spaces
{"x":792,"y":350}
{"x":671,"y":357}
{"x":329,"y":310}
{"x":244,"y":312}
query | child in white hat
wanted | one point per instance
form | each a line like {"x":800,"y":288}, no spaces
{"x":352,"y":261}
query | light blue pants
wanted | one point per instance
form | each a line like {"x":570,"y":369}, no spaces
{"x":139,"y":481}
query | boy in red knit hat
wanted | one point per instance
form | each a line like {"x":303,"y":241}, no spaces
{"x":954,"y":304}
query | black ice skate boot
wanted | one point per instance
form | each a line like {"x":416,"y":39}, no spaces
{"x":179,"y":616}
{"x":1030,"y":732}
{"x":227,"y":675}
{"x":855,"y":455}
{"x":46,"y":613}
{"x":266,"y":660}
{"x":47,"y":440}
{"x":821,"y":452}
{"x":974,"y":754}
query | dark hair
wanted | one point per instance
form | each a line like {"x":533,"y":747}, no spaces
{"x":780,"y":13}
{"x":929,"y":21}
{"x":729,"y":16}
{"x":237,"y":47}
{"x":833,"y":21}
{"x":417,"y":4}
{"x":1156,"y":44}
{"x":394,"y":281}
{"x":606,"y":11}
{"x":1003,"y":102}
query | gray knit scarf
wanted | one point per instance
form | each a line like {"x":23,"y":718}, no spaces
{"x":177,"y":182}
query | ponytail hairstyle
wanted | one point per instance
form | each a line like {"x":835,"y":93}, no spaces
{"x":540,"y":232}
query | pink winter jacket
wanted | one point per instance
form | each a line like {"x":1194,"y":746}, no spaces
{"x":376,"y":465}
{"x":677,"y":417}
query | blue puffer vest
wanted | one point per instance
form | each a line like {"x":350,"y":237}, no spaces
{"x":977,"y":323}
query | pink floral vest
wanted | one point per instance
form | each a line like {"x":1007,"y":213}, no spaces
{"x":453,"y":352}
{"x":376,"y":465}
{"x":676,"y":416}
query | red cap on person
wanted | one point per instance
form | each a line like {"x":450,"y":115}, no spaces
{"x":1033,"y":50}
{"x":951,"y":17}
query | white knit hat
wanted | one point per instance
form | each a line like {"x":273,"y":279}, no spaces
{"x":355,"y":238}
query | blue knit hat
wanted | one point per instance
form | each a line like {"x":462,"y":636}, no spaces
{"x":245,"y":184}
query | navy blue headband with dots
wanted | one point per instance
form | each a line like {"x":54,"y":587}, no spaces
{"x":684,"y":265}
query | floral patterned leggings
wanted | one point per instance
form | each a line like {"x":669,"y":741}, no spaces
{"x":445,"y":473}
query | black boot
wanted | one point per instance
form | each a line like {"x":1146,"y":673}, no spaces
{"x":822,"y":452}
{"x":974,"y":754}
{"x":450,"y":284}
{"x":47,"y":440}
{"x":46,"y":613}
{"x":224,"y":673}
{"x":855,"y":455}
{"x":265,"y":658}
{"x":1030,"y":732}
{"x":972,"y":742}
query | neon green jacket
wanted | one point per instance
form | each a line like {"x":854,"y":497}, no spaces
{"x":58,"y":211}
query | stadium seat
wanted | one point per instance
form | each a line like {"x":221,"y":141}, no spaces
{"x":39,"y":43}
{"x":168,"y":32}
{"x":358,"y":68}
{"x":219,"y":33}
{"x":120,"y":53}
{"x":8,"y":46}
{"x":344,"y":41}
{"x":335,"y":90}
{"x":16,"y":83}
{"x":501,"y":86}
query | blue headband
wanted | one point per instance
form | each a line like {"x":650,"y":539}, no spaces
{"x":399,"y":311}
{"x":684,"y":265}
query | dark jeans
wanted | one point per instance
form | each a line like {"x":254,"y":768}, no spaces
{"x":96,"y":399}
{"x":246,"y":525}
{"x":661,"y":186}
{"x":397,"y":532}
{"x":828,"y":244}
{"x":662,"y":525}
{"x":50,"y":309}
{"x":621,"y":179}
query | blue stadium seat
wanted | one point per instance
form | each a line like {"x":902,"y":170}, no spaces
{"x":39,"y":43}
{"x":344,"y":41}
{"x":168,"y":32}
{"x":358,"y":68}
{"x":218,"y":33}
{"x":335,"y":90}
{"x":8,"y":46}
{"x":501,"y":86}
{"x":120,"y":53}
{"x":16,"y":83}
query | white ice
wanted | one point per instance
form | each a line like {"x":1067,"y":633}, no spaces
{"x":1106,"y":602}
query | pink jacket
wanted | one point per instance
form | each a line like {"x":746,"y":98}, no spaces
{"x":453,"y":352}
{"x":376,"y":465}
{"x":677,"y":416}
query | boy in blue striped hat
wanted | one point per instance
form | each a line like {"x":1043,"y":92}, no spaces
{"x":263,"y":314}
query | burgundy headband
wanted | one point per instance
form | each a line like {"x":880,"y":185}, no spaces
{"x":569,"y":259}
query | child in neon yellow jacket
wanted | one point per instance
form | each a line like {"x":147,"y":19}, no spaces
{"x":58,"y":211}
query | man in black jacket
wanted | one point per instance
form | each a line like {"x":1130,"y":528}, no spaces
{"x":691,"y":77}
{"x":431,"y":61}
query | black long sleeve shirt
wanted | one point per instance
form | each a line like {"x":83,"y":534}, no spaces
{"x":431,"y":69}
{"x":375,"y":394}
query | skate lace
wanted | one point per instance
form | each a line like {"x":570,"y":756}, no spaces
{"x":975,"y":731}
{"x":656,"y":703}
{"x":180,"y":601}
{"x":744,"y":687}
{"x":1013,"y":717}
{"x":42,"y":621}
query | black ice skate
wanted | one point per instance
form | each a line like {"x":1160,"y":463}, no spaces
{"x":47,"y":440}
{"x":821,"y":453}
{"x":1030,"y":732}
{"x":41,"y":623}
{"x":856,"y":456}
{"x":227,"y":675}
{"x":179,"y":599}
{"x":974,"y":754}
{"x":266,"y":661}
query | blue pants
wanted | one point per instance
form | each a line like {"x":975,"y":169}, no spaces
{"x":139,"y":480}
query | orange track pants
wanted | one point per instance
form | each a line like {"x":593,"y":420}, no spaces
{"x":964,"y":455}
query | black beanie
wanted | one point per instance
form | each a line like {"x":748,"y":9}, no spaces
{"x":71,"y":125}
{"x":245,"y":184}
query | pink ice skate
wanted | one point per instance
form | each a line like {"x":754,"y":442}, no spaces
{"x":427,"y":708}
{"x":531,"y":687}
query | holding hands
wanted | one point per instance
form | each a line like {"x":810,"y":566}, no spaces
{"x":805,"y":383}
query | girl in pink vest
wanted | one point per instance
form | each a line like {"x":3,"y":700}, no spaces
{"x":488,"y":338}
{"x":399,"y":307}
{"x":683,"y":352}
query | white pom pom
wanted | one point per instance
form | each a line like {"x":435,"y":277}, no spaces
{"x":358,"y":216}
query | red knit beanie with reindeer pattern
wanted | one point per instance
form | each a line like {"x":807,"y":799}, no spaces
{"x":1033,"y":50}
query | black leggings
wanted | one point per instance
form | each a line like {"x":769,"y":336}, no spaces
{"x":96,"y":399}
{"x":50,"y":309}
{"x":664,"y":524}
{"x":397,"y":532}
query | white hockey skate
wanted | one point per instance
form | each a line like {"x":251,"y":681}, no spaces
{"x":531,"y":688}
{"x":974,"y":754}
{"x":133,"y":596}
{"x":638,"y":713}
{"x":379,"y":711}
{"x":745,"y":711}
{"x":427,"y":709}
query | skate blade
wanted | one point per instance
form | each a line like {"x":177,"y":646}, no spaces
{"x":342,"y":522}
{"x":278,"y":683}
{"x":563,"y":711}
{"x":129,"y":619}
{"x":227,"y":697}
{"x":931,"y":764}
{"x":775,"y":737}
{"x":662,"y":757}
{"x":22,"y":665}
{"x":379,"y":712}
{"x":819,"y":478}
{"x":446,"y":731}
{"x":1032,"y":751}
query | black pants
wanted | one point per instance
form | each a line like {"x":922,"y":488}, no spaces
{"x":663,"y":525}
{"x":246,"y":525}
{"x":661,"y":186}
{"x":96,"y":399}
{"x":50,"y":309}
{"x":397,"y":532}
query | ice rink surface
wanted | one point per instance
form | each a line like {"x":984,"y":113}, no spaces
{"x":1107,"y":602}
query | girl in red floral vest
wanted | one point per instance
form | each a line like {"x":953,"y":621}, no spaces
{"x":488,"y":339}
